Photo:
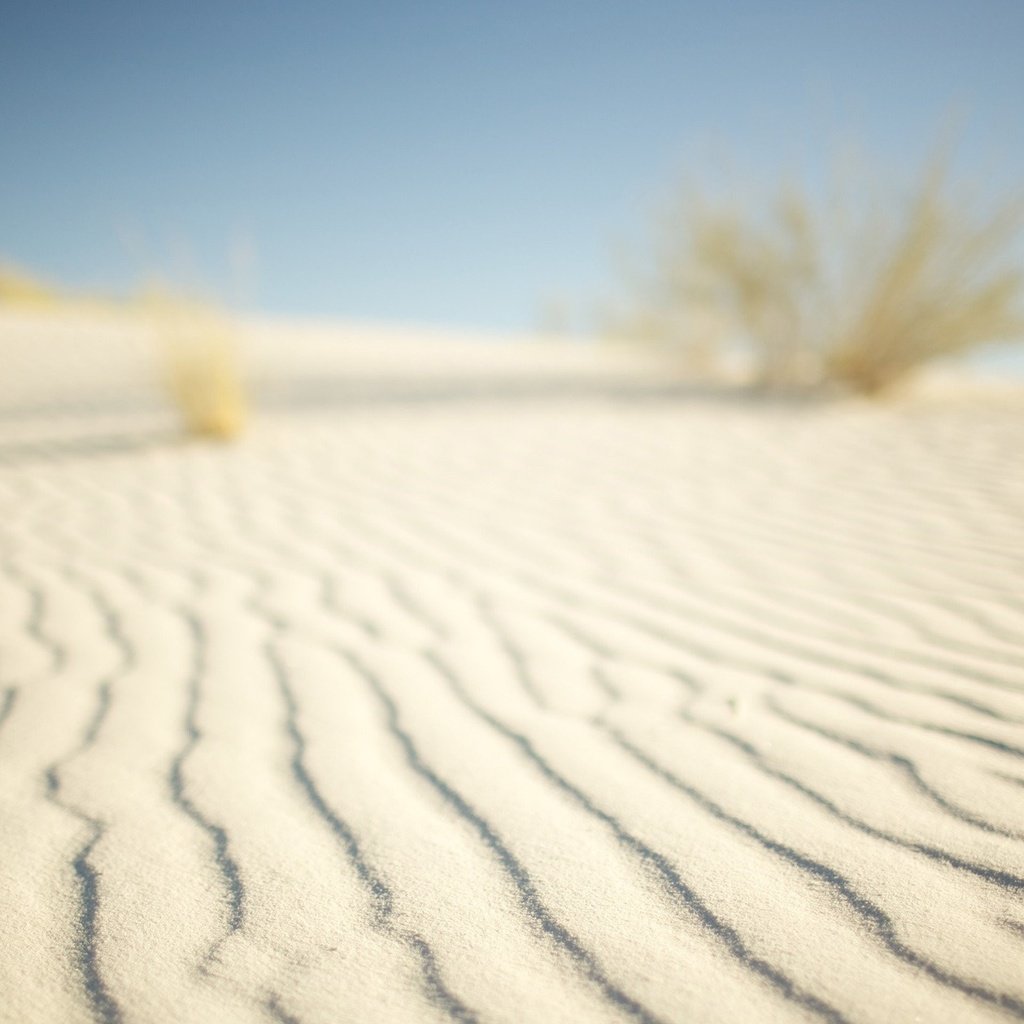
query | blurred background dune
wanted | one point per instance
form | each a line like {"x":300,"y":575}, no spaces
{"x":663,"y":173}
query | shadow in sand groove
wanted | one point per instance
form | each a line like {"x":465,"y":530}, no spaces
{"x":298,"y":394}
{"x":85,"y":447}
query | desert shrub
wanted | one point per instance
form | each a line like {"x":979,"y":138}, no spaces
{"x":202,"y":365}
{"x":834,"y":295}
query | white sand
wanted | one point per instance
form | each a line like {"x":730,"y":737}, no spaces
{"x":496,"y":683}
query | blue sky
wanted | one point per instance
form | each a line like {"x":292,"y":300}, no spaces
{"x":452,"y":163}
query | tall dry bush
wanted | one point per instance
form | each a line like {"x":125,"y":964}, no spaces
{"x":829,"y":295}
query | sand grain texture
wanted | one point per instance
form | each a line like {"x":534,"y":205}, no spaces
{"x":483,"y":684}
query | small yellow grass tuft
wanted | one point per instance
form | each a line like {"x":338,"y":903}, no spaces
{"x":20,"y":291}
{"x":203,"y":369}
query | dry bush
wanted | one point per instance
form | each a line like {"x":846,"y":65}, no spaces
{"x":202,"y":367}
{"x":820,"y":295}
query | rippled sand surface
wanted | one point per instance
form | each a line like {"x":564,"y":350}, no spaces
{"x":491,"y":684}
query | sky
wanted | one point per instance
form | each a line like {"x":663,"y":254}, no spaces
{"x":467,"y":164}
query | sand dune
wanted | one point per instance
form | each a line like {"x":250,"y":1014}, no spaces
{"x":483,"y":683}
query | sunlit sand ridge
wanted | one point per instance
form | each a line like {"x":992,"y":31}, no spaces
{"x":503,"y":684}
